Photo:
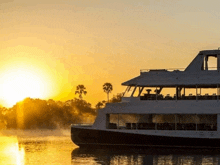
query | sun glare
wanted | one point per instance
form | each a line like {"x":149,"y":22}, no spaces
{"x":19,"y":83}
{"x":10,"y":151}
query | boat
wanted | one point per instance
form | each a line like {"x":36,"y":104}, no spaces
{"x":177,"y":108}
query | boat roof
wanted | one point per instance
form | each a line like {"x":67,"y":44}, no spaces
{"x":210,"y":52}
{"x":194,"y":75}
{"x":175,"y":78}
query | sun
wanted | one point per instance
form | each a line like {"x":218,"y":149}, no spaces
{"x":20,"y":82}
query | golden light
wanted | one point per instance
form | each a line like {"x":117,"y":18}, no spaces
{"x":21,"y":81}
{"x":10,"y":151}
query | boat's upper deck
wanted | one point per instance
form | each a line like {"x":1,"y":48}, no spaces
{"x":197,"y":73}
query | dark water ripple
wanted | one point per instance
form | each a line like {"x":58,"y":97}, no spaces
{"x":152,"y":156}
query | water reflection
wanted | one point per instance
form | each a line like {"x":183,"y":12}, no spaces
{"x":47,"y":150}
{"x":142,"y":157}
{"x":35,"y":147}
{"x":56,"y":149}
{"x":10,"y":151}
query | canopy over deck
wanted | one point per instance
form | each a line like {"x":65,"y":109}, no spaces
{"x":208,"y":79}
{"x":196,"y":74}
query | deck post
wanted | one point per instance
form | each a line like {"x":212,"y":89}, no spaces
{"x":196,"y":122}
{"x":177,"y":92}
{"x":140,"y":91}
{"x":218,"y":123}
{"x":118,"y":120}
{"x":196,"y":94}
{"x":107,"y":120}
{"x":125,"y":91}
{"x":175,"y":123}
{"x":206,"y":62}
{"x":218,"y":62}
{"x":134,"y":91}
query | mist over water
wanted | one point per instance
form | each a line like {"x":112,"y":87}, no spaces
{"x":34,"y":147}
{"x":35,"y":132}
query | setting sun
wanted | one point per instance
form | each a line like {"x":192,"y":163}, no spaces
{"x":20,"y":82}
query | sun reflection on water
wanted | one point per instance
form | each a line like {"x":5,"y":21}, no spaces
{"x":11,"y":152}
{"x":34,"y":147}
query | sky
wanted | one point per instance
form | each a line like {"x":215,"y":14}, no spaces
{"x":48,"y":47}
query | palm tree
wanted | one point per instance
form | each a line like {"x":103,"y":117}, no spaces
{"x":107,"y":87}
{"x":99,"y":105}
{"x":80,"y":90}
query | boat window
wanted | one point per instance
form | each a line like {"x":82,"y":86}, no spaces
{"x":165,"y":121}
{"x":186,"y":121}
{"x":207,"y":119}
{"x":136,"y":92}
{"x":128,"y":121}
{"x":210,"y":63}
{"x":128,"y":91}
{"x":164,"y":118}
{"x":196,"y":122}
{"x":186,"y":118}
{"x":207,"y":122}
{"x":131,"y":91}
{"x":113,"y":121}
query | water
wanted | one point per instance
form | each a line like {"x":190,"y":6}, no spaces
{"x":143,"y":157}
{"x":55,"y":147}
{"x":35,"y":147}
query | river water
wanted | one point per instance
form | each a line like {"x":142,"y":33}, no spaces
{"x":44,"y":147}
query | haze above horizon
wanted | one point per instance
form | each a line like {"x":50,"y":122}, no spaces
{"x":48,"y":47}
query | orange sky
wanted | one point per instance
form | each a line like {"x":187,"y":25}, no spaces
{"x":63,"y":43}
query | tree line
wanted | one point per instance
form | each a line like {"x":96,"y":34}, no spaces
{"x":49,"y":114}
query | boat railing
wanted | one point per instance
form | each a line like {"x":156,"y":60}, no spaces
{"x":213,"y":68}
{"x":82,"y":125}
{"x":171,"y":69}
{"x":161,"y":70}
{"x":183,"y":97}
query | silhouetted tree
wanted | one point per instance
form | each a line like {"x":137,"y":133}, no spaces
{"x":116,"y":98}
{"x":3,"y":122}
{"x":47,"y":114}
{"x":99,"y":105}
{"x":80,"y":90}
{"x":107,"y":87}
{"x":10,"y":118}
{"x":36,"y":113}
